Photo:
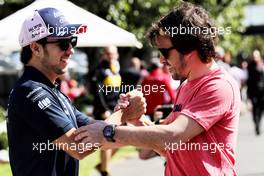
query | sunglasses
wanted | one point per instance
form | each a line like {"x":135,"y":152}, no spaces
{"x":63,"y":44}
{"x":165,"y":51}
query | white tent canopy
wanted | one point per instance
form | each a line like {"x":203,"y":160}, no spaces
{"x":99,"y":31}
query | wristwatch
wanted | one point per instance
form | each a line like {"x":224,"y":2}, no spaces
{"x":109,"y":132}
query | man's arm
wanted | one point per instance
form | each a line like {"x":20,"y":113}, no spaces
{"x":156,"y":137}
{"x":81,"y":150}
{"x":78,"y":151}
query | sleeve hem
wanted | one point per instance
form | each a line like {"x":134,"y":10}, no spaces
{"x":199,"y":121}
{"x":63,"y":130}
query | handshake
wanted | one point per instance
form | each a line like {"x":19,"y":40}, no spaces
{"x":130,"y":108}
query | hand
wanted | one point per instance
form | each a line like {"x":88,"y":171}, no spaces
{"x":122,"y":103}
{"x":91,"y":134}
{"x":157,"y":114}
{"x":136,"y":107}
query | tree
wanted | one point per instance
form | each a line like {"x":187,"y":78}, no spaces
{"x":136,"y":16}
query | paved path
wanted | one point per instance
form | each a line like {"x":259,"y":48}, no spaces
{"x":250,"y":156}
{"x":250,"y":150}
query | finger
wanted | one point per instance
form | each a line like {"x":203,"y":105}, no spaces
{"x":123,"y":102}
{"x":161,"y":121}
{"x":80,"y":136}
{"x":80,"y":130}
{"x":122,"y":95}
{"x":117,"y":108}
{"x":123,"y":105}
{"x":86,"y":140}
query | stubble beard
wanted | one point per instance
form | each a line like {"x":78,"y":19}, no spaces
{"x":179,"y":73}
{"x":55,"y":69}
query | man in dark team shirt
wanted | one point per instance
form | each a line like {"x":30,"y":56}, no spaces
{"x":41,"y":120}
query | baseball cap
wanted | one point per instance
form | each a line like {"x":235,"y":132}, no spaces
{"x":47,"y":22}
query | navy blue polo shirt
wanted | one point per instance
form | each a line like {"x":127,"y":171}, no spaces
{"x":38,"y":113}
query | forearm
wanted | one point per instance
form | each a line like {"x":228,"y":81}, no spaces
{"x":152,"y":137}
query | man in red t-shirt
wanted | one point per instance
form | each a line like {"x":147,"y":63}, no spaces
{"x":199,"y":136}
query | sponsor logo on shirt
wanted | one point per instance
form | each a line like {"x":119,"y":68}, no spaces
{"x":177,"y":108}
{"x":44,"y":103}
{"x":36,"y":94}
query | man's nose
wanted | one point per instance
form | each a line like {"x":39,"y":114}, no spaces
{"x":163,"y":60}
{"x":70,"y":50}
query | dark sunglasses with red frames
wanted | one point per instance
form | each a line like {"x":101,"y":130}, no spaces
{"x":64,"y":44}
{"x":165,"y":51}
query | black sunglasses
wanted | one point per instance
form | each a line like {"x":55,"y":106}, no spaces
{"x":64,"y":44}
{"x":165,"y":51}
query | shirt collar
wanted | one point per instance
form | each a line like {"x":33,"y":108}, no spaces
{"x":35,"y":75}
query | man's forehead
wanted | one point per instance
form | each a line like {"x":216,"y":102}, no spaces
{"x":163,"y":42}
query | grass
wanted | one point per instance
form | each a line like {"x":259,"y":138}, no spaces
{"x":5,"y":170}
{"x":86,"y":165}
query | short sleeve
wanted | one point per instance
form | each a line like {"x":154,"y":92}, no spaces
{"x":210,"y":104}
{"x":41,"y":111}
{"x":81,"y":118}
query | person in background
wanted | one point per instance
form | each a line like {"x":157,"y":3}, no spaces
{"x":70,"y":87}
{"x":255,"y":91}
{"x":157,"y":88}
{"x":131,"y":76}
{"x":106,"y":83}
{"x":220,"y":58}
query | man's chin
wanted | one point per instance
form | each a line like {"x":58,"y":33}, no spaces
{"x":62,"y":71}
{"x":177,"y":77}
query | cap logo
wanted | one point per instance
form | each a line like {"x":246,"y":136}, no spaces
{"x":36,"y":30}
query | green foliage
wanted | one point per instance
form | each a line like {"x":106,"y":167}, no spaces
{"x":2,"y":114}
{"x":137,"y":16}
{"x":3,"y":141}
{"x":250,"y":43}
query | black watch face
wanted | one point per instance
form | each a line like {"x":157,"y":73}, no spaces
{"x":108,"y":131}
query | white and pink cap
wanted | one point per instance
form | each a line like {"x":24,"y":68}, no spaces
{"x":47,"y":22}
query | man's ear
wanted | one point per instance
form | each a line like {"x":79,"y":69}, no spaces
{"x":190,"y":54}
{"x":36,"y":49}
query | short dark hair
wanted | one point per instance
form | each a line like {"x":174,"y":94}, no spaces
{"x":26,"y":52}
{"x":190,"y":17}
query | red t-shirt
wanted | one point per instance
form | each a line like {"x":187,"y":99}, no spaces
{"x":213,"y":101}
